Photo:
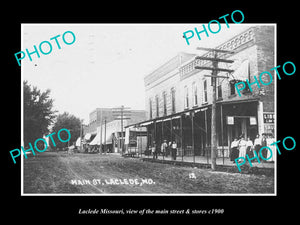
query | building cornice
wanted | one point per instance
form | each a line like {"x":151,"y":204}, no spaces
{"x":169,"y":66}
{"x":237,"y":44}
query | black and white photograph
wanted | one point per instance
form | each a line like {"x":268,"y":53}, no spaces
{"x":140,"y":110}
{"x":148,"y":109}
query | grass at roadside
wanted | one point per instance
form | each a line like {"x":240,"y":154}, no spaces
{"x":47,"y":174}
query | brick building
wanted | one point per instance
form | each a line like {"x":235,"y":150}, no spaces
{"x":99,"y":114}
{"x":95,"y":119}
{"x":109,"y":130}
{"x":179,"y":97}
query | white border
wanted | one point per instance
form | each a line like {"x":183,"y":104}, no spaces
{"x":147,"y":24}
{"x":22,"y":117}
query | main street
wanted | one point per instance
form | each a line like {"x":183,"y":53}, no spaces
{"x":60,"y":173}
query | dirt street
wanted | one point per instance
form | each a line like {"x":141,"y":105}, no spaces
{"x":55,"y":173}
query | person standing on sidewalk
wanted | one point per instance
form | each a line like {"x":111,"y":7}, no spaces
{"x":249,"y":148}
{"x":234,"y":150}
{"x":271,"y":140}
{"x":174,"y":150}
{"x":169,"y":149}
{"x":164,"y":147}
{"x":154,"y":150}
{"x":263,"y":144}
{"x":242,"y":146}
{"x":257,"y":145}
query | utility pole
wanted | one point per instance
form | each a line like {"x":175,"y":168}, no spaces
{"x":215,"y":60}
{"x":122,"y":142}
{"x":81,"y":135}
{"x":100,"y":146}
{"x":119,"y":114}
{"x":105,"y":135}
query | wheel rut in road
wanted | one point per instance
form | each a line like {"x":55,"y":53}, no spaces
{"x":81,"y":170}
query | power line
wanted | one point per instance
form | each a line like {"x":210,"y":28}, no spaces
{"x":215,"y":69}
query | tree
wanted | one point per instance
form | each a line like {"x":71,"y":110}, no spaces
{"x":67,"y":121}
{"x":38,"y":113}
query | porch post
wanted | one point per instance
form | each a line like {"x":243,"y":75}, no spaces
{"x":181,"y":137}
{"x":147,"y":144}
{"x":260,"y":118}
{"x":206,"y":152}
{"x":222,"y":131}
{"x":171,"y":130}
{"x":162,"y":135}
{"x":193,"y":141}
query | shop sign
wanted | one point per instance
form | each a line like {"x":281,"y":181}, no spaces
{"x":253,"y":120}
{"x":230,"y":120}
{"x":269,"y":118}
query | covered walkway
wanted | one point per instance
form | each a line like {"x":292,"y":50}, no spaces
{"x":203,"y":160}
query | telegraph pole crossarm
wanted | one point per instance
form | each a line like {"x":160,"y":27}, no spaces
{"x":215,"y":50}
{"x":210,"y":68}
{"x":214,"y":59}
{"x":216,"y":76}
{"x":122,"y":142}
{"x":122,"y":113}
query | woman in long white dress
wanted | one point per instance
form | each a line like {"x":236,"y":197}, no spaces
{"x":234,"y":150}
{"x":249,"y":148}
{"x":257,"y":145}
{"x":243,"y":146}
{"x":271,"y":140}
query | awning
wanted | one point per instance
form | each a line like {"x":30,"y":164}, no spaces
{"x":127,"y":135}
{"x":239,"y":101}
{"x":169,"y":117}
{"x":146,"y":123}
{"x":87,"y":136}
{"x":78,"y":142}
{"x":108,"y":139}
{"x":96,"y":140}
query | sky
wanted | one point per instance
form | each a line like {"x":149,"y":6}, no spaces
{"x":106,"y":64}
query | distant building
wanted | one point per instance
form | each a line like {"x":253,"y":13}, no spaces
{"x":95,"y":118}
{"x":101,"y":114}
{"x":105,"y":127}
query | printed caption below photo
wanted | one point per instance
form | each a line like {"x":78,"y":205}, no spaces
{"x":150,"y":211}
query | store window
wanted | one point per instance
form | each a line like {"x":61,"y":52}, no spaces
{"x":232,"y":88}
{"x":157,"y":105}
{"x":186,"y":97}
{"x":164,"y":95}
{"x":195,"y":96}
{"x":219,"y":91}
{"x":150,"y":108}
{"x":205,"y":91}
{"x":173,"y":100}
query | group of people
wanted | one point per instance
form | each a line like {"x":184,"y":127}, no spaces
{"x":240,"y":147}
{"x":165,"y":149}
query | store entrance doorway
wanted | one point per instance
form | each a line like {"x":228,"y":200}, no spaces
{"x":242,"y":127}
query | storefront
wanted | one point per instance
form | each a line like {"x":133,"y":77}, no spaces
{"x":135,"y":139}
{"x":239,"y":119}
{"x":269,"y":123}
{"x":191,"y":129}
